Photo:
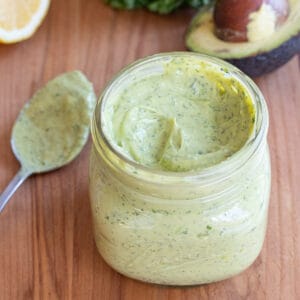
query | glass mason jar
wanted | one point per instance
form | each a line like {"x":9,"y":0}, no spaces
{"x":179,"y":228}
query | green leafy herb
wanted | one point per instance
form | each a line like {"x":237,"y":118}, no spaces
{"x":159,"y":6}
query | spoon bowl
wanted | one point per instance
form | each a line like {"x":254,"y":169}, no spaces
{"x":52,"y":128}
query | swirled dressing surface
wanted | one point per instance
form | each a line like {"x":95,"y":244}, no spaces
{"x":189,"y":117}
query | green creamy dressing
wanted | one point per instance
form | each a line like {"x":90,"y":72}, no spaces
{"x":54,"y":125}
{"x":190,"y":116}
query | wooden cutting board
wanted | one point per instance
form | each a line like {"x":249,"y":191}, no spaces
{"x":46,"y":243}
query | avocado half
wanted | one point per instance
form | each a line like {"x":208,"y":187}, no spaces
{"x":253,"y":58}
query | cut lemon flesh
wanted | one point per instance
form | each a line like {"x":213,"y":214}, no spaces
{"x":19,"y":19}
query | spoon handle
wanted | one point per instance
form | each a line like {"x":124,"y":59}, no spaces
{"x":12,"y":186}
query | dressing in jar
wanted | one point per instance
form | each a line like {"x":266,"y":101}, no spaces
{"x":180,"y":170}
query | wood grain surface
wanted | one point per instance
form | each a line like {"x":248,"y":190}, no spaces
{"x":46,"y":243}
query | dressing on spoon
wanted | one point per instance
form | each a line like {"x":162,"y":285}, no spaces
{"x":52,"y":128}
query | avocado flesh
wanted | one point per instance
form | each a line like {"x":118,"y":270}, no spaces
{"x":254,"y":58}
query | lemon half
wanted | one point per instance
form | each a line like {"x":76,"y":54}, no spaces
{"x":20,"y":19}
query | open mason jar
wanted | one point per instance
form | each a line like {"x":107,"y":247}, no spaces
{"x":179,"y":228}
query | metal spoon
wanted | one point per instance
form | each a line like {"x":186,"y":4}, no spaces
{"x":52,"y":128}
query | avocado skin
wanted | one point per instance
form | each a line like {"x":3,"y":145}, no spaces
{"x":255,"y":66}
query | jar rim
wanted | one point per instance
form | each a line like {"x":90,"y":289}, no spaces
{"x":224,"y":168}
